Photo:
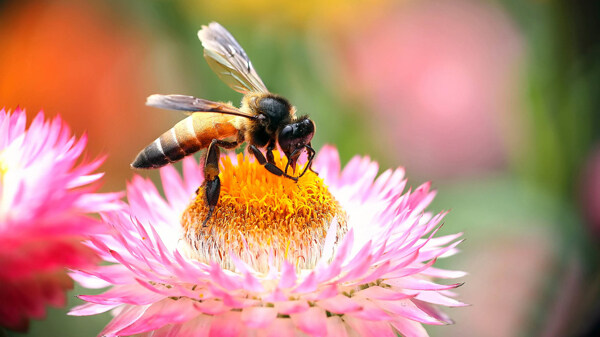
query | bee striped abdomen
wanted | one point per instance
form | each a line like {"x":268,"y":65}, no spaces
{"x":186,"y":137}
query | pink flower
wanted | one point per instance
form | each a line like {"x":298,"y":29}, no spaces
{"x":337,"y":254}
{"x":590,"y":192}
{"x":46,"y":192}
{"x":440,"y":76}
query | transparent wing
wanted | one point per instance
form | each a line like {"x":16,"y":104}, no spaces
{"x":191,"y":104}
{"x":229,"y":60}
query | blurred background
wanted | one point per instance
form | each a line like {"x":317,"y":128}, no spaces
{"x":496,"y":102}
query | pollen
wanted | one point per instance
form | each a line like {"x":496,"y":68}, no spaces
{"x":262,"y":218}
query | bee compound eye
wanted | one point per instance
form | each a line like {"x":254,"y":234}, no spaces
{"x":285,"y":137}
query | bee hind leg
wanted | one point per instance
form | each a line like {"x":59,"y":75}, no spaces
{"x":213,"y":189}
{"x":271,"y":167}
{"x":212,"y":183}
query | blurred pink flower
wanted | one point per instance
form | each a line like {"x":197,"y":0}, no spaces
{"x":46,"y":190}
{"x":590,"y":193}
{"x":372,"y":279}
{"x":440,"y":74}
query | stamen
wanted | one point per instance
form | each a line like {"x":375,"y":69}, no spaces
{"x":261,"y":216}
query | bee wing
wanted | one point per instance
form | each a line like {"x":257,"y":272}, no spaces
{"x":229,"y":60}
{"x":191,"y":104}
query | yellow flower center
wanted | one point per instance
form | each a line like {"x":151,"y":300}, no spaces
{"x":260,"y":214}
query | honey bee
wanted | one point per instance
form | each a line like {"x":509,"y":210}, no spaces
{"x":264,"y":120}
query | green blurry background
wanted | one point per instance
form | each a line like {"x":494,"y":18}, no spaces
{"x":496,"y":102}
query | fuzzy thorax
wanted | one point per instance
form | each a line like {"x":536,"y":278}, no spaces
{"x":261,"y":216}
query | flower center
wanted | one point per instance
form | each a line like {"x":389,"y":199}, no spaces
{"x":262,"y":218}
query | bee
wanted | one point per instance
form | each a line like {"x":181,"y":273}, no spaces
{"x":264,"y":120}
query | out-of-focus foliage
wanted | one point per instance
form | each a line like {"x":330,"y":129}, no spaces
{"x":496,"y":101}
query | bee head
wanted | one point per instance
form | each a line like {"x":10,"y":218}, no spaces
{"x":294,"y":137}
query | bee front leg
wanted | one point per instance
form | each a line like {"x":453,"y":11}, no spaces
{"x":271,"y":167}
{"x":311,"y":155}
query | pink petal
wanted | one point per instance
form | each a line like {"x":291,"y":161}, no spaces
{"x":258,"y":317}
{"x":354,"y":169}
{"x":327,"y":163}
{"x":276,"y":295}
{"x":226,"y":325}
{"x":165,"y":331}
{"x":410,"y":271}
{"x":129,"y":294}
{"x":442,"y":240}
{"x":406,"y":308}
{"x":167,"y":311}
{"x":325,"y":292}
{"x":370,"y":328}
{"x":309,"y":284}
{"x":370,"y":312}
{"x":340,"y":257}
{"x":379,"y":293}
{"x":115,"y":274}
{"x":126,"y":317}
{"x":376,"y":273}
{"x":172,"y":291}
{"x":432,"y":311}
{"x":281,"y":327}
{"x":211,"y":307}
{"x":437,"y":298}
{"x":336,"y":327}
{"x":288,"y":276}
{"x":329,"y":244}
{"x":91,"y":309}
{"x":251,"y":282}
{"x":339,"y":305}
{"x":223,"y":279}
{"x":173,"y":186}
{"x":443,"y":273}
{"x":84,"y":180}
{"x":419,"y":284}
{"x":409,"y":328}
{"x":291,"y":307}
{"x":312,"y":321}
{"x":198,"y":327}
{"x":228,"y":298}
{"x":88,"y":281}
{"x":357,"y":270}
{"x":421,"y":198}
{"x":192,"y":174}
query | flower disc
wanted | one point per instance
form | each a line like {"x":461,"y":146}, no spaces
{"x":265,"y":214}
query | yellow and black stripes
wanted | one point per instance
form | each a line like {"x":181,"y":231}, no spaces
{"x":190,"y":135}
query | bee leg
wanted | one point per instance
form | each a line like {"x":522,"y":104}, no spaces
{"x":213,"y":189}
{"x":271,"y":167}
{"x":287,"y":166}
{"x":212,"y":182}
{"x":311,"y":155}
{"x":270,"y":148}
{"x":271,"y":161}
